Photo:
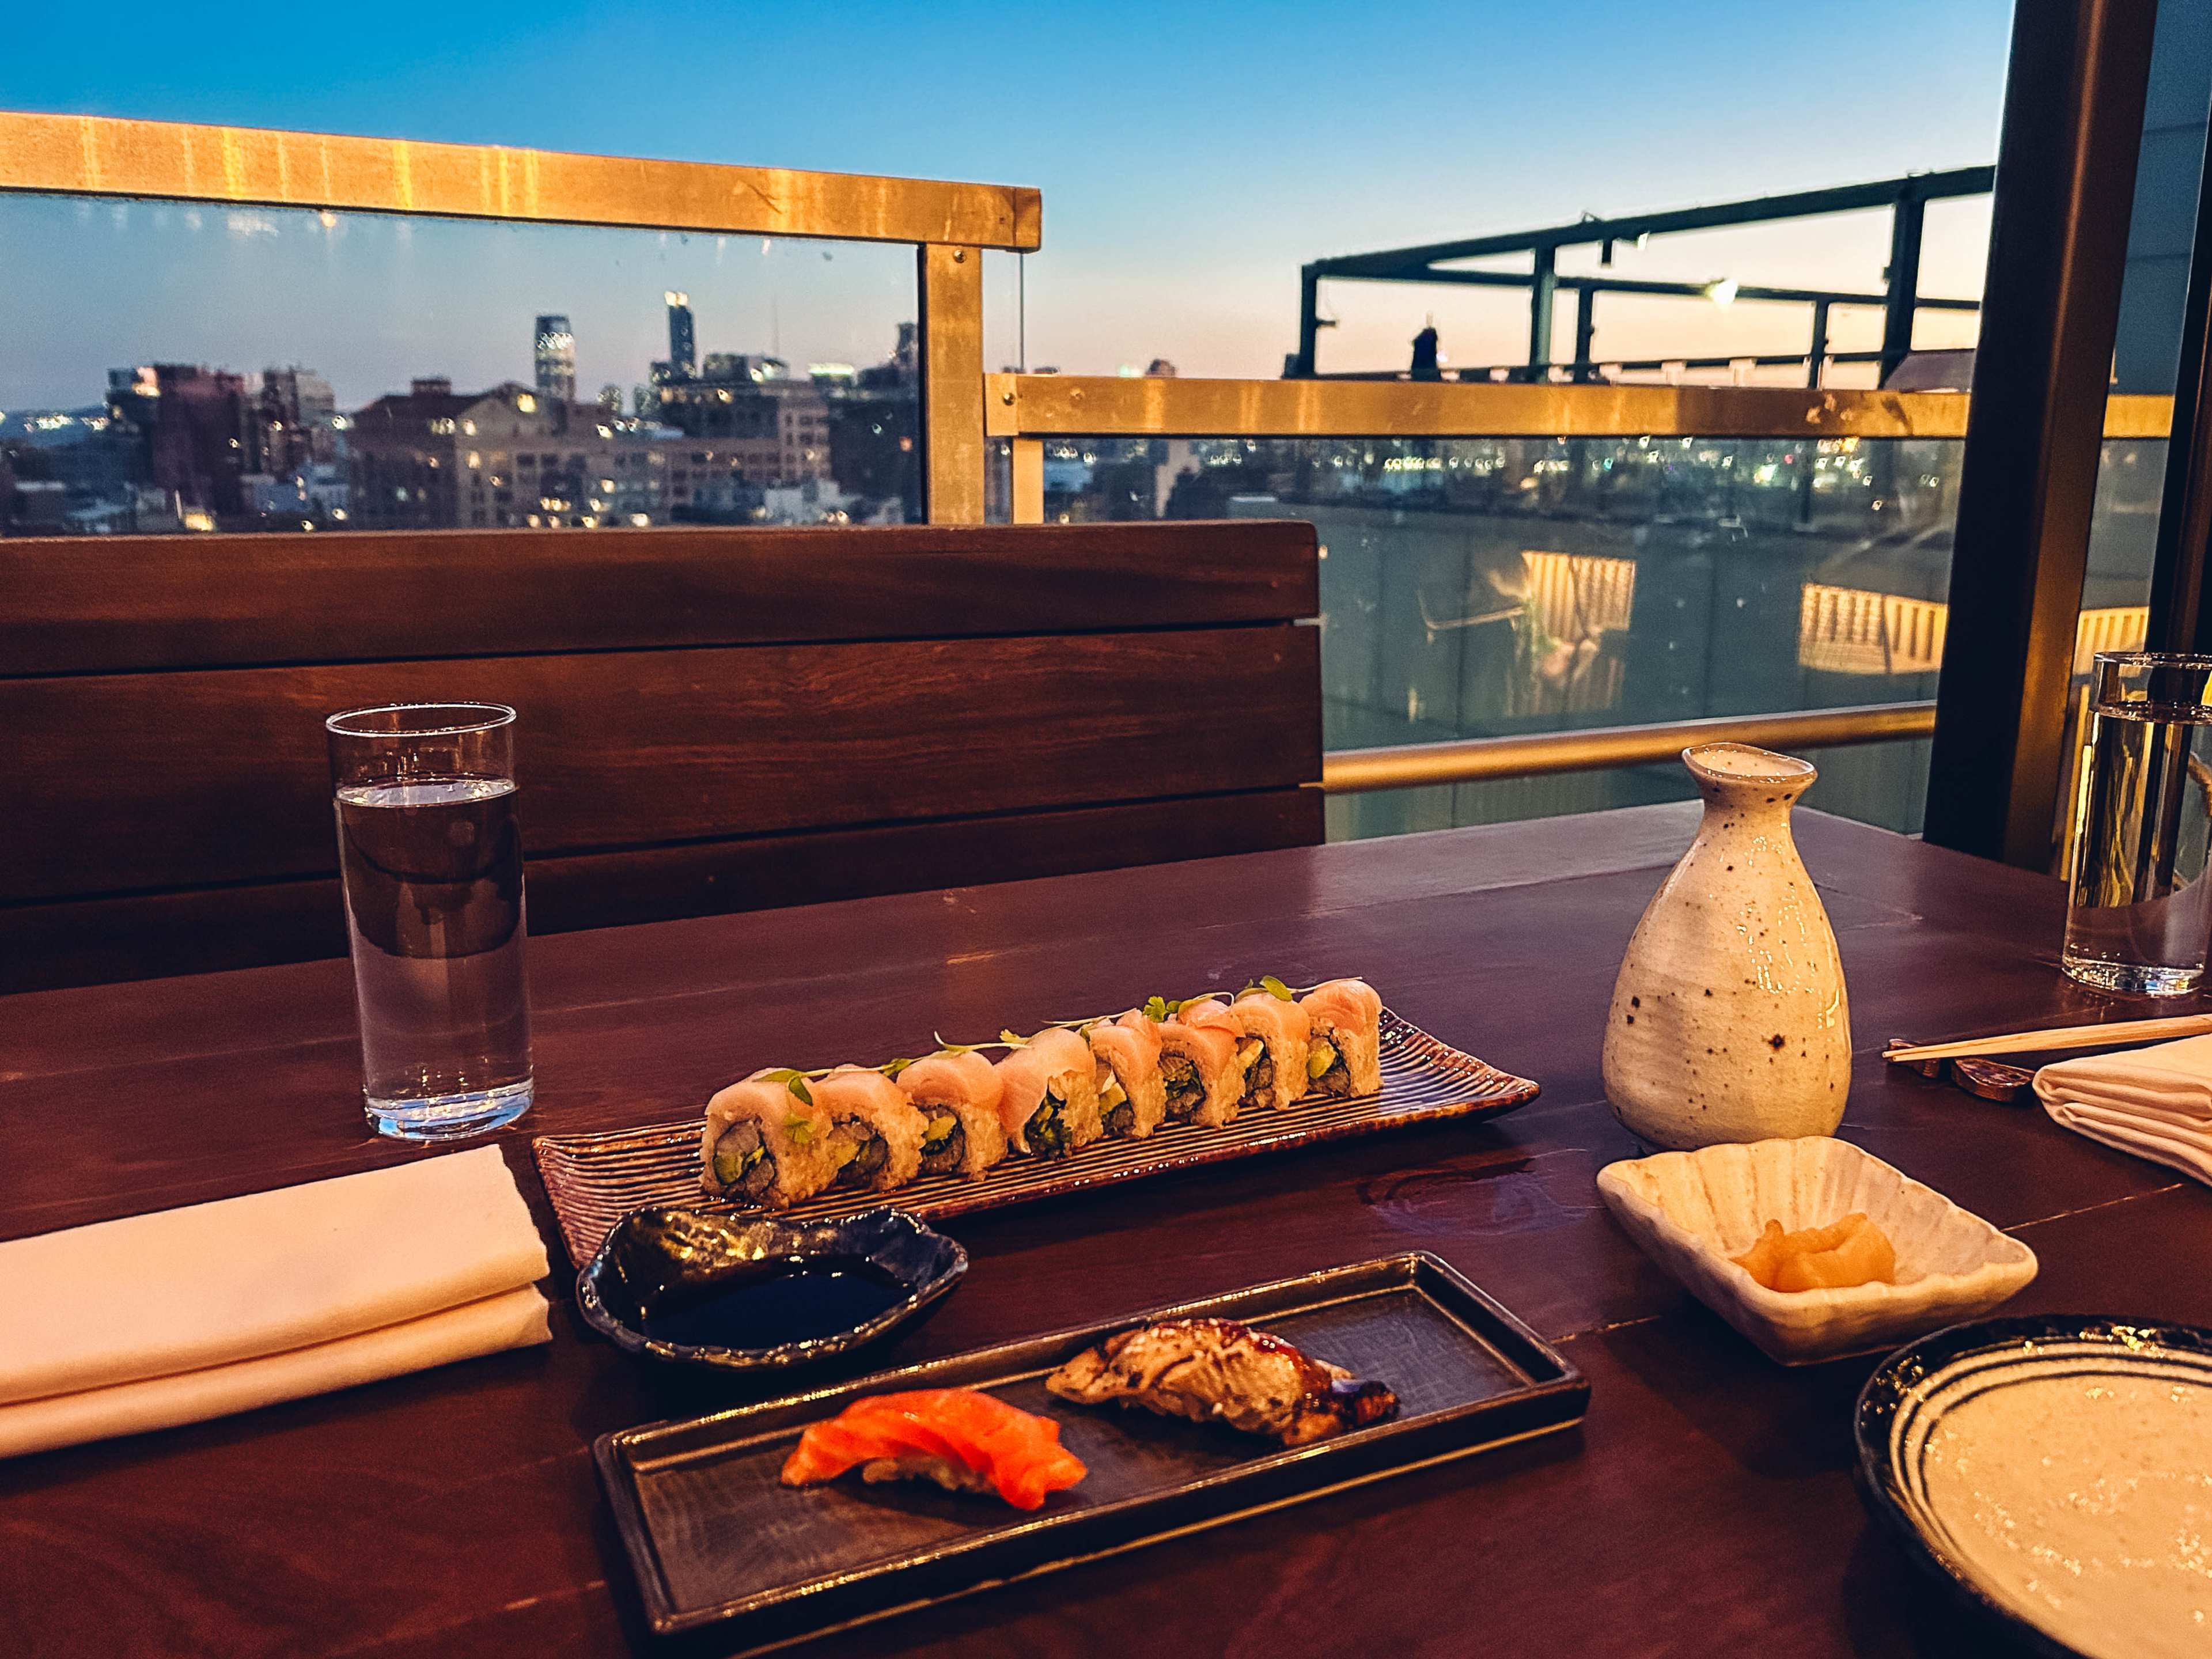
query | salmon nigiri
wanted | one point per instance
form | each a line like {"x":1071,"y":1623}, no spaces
{"x":963,"y":1440}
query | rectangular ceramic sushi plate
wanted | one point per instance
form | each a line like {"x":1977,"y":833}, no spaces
{"x":715,"y":1539}
{"x":595,"y":1180}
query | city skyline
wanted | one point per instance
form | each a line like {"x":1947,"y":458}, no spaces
{"x":1187,"y":168}
{"x":373,"y":302}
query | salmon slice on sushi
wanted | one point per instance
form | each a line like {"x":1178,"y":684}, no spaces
{"x":766,"y":1142}
{"x":1200,"y":1080}
{"x":1271,"y":1033}
{"x":1131,"y":1098}
{"x":1344,"y":1056}
{"x":956,"y":1092}
{"x":963,"y":1439}
{"x":872,"y":1115}
{"x":1049,"y":1095}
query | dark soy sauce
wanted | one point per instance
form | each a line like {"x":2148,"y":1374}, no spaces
{"x":765,"y":1305}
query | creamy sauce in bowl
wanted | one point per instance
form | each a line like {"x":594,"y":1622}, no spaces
{"x":2075,"y":1487}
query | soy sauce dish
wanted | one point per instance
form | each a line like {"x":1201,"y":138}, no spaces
{"x":751,"y":1293}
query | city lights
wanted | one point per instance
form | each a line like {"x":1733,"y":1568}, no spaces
{"x":745,"y":439}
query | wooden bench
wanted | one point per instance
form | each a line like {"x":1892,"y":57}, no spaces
{"x":710,"y":719}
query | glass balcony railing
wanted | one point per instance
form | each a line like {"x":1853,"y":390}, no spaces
{"x":1495,"y":589}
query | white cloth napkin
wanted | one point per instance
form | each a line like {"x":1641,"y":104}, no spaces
{"x":183,"y":1314}
{"x":2155,"y":1103}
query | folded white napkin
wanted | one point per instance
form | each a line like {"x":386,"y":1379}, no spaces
{"x":183,"y":1314}
{"x":2155,"y":1103}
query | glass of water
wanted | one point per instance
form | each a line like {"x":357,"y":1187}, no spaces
{"x":431,"y":859}
{"x":2139,"y":918}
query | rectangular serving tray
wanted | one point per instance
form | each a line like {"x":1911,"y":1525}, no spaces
{"x":595,"y":1180}
{"x":715,"y":1539}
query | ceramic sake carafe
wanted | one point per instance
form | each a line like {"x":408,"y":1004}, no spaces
{"x":1729,"y":1020}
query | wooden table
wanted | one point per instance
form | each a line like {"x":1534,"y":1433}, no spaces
{"x":1706,"y":1506}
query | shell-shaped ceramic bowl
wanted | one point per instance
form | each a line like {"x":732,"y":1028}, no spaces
{"x":1691,"y":1211}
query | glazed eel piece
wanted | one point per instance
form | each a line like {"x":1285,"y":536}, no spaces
{"x":1218,"y":1370}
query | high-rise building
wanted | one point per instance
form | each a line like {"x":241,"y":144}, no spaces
{"x":195,"y":424}
{"x":683,"y":351}
{"x":556,"y":358}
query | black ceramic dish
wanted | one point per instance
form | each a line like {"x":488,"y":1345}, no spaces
{"x":758,"y":1294}
{"x":716,"y":1540}
{"x":1909,"y":1392}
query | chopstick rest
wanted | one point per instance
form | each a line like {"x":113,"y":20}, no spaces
{"x":1987,"y":1080}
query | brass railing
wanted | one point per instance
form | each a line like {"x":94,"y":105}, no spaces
{"x":1598,"y":749}
{"x":1027,"y":409}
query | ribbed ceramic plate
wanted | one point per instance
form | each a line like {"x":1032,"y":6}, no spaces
{"x":2058,"y":1472}
{"x":595,"y":1180}
{"x":716,"y":1540}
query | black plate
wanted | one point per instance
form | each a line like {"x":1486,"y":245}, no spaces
{"x":714,"y":1538}
{"x":1969,"y":1361}
{"x":653,"y":1254}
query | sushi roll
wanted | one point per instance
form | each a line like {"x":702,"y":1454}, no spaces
{"x":958,"y":1095}
{"x":1270,"y":1034}
{"x":885,"y":1131}
{"x":1343,"y":1057}
{"x":1131,"y":1098}
{"x":767,"y":1142}
{"x":1049,"y":1094}
{"x":1198,"y":1075}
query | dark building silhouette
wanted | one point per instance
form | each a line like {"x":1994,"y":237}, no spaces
{"x":1425,"y":354}
{"x":683,"y":348}
{"x":198,"y":428}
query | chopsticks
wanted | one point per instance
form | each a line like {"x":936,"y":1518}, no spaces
{"x":2112,"y":1033}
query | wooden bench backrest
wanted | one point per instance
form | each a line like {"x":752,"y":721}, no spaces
{"x":710,"y":719}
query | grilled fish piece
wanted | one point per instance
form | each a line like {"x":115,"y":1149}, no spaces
{"x":1218,"y":1370}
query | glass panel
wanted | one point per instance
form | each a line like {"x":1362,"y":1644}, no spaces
{"x":177,"y":368}
{"x":1494,"y":588}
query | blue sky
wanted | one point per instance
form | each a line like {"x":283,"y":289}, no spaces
{"x":1190,"y":156}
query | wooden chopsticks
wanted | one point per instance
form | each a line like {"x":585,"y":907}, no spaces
{"x":2112,"y":1033}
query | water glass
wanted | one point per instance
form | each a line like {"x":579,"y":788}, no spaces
{"x":431,"y":859}
{"x":2138,"y":919}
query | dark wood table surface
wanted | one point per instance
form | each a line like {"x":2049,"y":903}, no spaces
{"x":1706,"y":1506}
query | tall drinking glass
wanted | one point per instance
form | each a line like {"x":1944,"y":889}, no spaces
{"x":431,"y":858}
{"x":2139,"y":916}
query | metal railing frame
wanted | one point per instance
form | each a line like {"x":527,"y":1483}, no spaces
{"x":964,"y":409}
{"x":1026,"y":410}
{"x":949,"y":224}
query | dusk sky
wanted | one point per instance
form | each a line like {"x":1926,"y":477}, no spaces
{"x":1190,"y":158}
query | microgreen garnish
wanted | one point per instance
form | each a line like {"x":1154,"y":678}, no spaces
{"x":800,"y":1129}
{"x":795,"y":1080}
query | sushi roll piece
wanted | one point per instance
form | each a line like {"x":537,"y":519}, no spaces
{"x":767,"y":1142}
{"x":956,"y":1092}
{"x":1344,"y":1056}
{"x":1199,"y":1079}
{"x":1270,"y":1034}
{"x":1049,"y":1094}
{"x":884,"y":1129}
{"x":1131,"y":1098}
{"x":963,"y":1439}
